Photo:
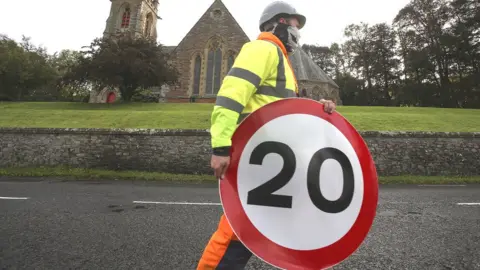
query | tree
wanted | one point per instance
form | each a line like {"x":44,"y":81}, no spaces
{"x":24,"y":69}
{"x":64,"y":62}
{"x":385,"y":64}
{"x":322,"y":56}
{"x":428,"y":56}
{"x":124,"y":62}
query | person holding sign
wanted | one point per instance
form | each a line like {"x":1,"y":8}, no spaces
{"x":261,"y":74}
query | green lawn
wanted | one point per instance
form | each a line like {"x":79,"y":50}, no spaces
{"x":193,"y":116}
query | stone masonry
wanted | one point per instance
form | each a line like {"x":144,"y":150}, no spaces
{"x":133,"y":16}
{"x":312,"y":79}
{"x":216,"y":28}
{"x":188,"y":151}
{"x":319,"y":90}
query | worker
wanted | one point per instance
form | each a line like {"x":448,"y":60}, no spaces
{"x":261,"y":74}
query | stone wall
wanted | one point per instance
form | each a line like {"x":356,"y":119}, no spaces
{"x":319,"y":90}
{"x":188,"y":151}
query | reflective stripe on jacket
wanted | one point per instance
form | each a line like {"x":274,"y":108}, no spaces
{"x":261,"y":74}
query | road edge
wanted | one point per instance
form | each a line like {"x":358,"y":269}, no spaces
{"x":65,"y":174}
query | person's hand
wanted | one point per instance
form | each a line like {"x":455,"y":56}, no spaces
{"x":328,"y":105}
{"x":219,"y":165}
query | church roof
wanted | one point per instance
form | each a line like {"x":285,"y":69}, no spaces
{"x":306,"y":70}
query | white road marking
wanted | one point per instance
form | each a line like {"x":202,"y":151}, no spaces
{"x":442,"y":185}
{"x":14,"y":198}
{"x":477,"y":203}
{"x":177,"y":203}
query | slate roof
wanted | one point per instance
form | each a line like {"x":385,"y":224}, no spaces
{"x":306,"y":70}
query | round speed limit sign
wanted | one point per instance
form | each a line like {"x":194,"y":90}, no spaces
{"x":301,"y":191}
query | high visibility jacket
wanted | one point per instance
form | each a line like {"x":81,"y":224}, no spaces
{"x":260,"y":74}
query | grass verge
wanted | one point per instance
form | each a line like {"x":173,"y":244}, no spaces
{"x":97,"y":174}
{"x":197,"y":116}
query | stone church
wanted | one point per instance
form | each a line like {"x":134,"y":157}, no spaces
{"x":206,"y":53}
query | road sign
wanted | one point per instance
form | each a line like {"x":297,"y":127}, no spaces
{"x":301,"y":191}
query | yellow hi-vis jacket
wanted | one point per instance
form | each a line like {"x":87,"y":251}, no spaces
{"x":261,"y":74}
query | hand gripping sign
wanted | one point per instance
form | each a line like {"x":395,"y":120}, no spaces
{"x":301,"y":191}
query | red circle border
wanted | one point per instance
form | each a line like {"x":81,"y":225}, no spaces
{"x":253,"y":239}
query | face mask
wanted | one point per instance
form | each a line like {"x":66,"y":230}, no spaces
{"x":288,"y":35}
{"x":293,"y":37}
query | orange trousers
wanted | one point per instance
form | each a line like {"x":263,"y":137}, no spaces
{"x":224,"y":250}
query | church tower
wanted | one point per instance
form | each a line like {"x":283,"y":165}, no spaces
{"x":138,"y":17}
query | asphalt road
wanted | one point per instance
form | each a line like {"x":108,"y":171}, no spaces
{"x":90,"y":225}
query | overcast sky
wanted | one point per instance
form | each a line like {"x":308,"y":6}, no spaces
{"x":70,"y":24}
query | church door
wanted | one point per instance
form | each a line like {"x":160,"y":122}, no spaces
{"x":111,"y":97}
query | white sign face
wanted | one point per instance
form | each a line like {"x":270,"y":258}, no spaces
{"x":302,"y":219}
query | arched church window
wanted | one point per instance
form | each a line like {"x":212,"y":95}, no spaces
{"x":214,"y":67}
{"x":316,"y":93}
{"x":231,"y":59}
{"x":196,"y":75}
{"x":148,"y":24}
{"x":218,"y":70}
{"x":126,"y":18}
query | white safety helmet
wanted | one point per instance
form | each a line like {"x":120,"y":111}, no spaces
{"x":277,"y":8}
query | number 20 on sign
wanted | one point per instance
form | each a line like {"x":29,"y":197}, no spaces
{"x":301,"y":191}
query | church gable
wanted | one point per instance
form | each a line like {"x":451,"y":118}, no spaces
{"x":216,"y":21}
{"x":207,"y":52}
